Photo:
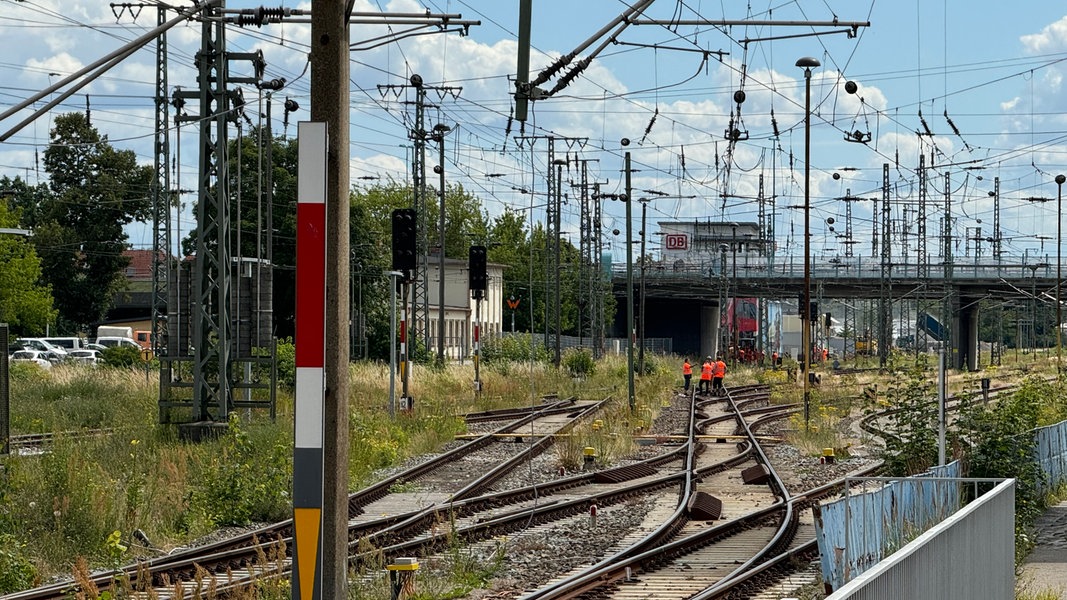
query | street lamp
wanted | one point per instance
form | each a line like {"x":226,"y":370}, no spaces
{"x":807,"y":63}
{"x":632,"y":395}
{"x":1059,"y":266}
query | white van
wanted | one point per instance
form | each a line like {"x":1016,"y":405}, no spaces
{"x":67,"y":343}
{"x":113,"y":341}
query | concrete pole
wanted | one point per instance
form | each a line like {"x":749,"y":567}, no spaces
{"x":1059,"y":269}
{"x":641,"y":294}
{"x":439,"y":136}
{"x":329,"y":63}
{"x":805,"y":310}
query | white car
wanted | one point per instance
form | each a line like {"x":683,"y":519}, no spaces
{"x":43,"y":346}
{"x":90,"y":357}
{"x":31,"y":356}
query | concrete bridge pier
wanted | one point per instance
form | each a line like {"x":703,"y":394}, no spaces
{"x":965,"y":334}
{"x":710,"y":316}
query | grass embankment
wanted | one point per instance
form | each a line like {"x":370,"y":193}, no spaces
{"x":82,"y":500}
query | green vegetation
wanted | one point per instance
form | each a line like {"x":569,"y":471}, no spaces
{"x":84,"y":497}
{"x":80,"y":502}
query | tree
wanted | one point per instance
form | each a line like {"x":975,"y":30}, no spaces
{"x":25,"y":303}
{"x":95,"y":191}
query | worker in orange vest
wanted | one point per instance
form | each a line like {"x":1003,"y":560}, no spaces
{"x":774,"y":359}
{"x":687,"y":374}
{"x":705,"y":376}
{"x":717,"y":376}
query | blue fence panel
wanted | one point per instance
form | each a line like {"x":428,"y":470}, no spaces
{"x":855,"y":532}
{"x":1051,"y":449}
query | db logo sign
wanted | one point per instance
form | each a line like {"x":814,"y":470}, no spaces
{"x":676,"y":241}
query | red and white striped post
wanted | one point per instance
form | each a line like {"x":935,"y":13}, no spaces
{"x":310,"y":338}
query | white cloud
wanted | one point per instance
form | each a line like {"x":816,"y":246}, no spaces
{"x":1051,"y":39}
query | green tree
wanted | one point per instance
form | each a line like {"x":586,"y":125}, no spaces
{"x":523,"y":252}
{"x":25,"y":303}
{"x":95,"y":191}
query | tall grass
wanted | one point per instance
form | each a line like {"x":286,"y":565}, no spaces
{"x":67,"y":504}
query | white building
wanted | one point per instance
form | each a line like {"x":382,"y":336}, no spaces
{"x":460,"y":307}
{"x":706,"y":245}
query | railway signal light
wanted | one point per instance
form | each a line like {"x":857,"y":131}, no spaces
{"x":404,"y":236}
{"x":477,"y":264}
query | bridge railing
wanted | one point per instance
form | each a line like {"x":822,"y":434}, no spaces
{"x":1016,"y":269}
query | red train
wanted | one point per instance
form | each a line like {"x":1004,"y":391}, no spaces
{"x":741,"y":324}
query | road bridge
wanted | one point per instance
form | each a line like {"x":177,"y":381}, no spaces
{"x":683,"y":300}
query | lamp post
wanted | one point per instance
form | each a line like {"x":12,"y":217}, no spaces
{"x":807,"y":63}
{"x":629,"y":287}
{"x":439,"y":132}
{"x":1059,"y":267}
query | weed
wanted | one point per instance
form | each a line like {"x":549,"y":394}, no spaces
{"x":16,"y":571}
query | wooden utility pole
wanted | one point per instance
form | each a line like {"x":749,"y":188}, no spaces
{"x":330,"y":104}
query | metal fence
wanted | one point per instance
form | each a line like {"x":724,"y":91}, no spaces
{"x":1050,"y":445}
{"x":611,"y":345}
{"x":858,"y":530}
{"x":970,"y":554}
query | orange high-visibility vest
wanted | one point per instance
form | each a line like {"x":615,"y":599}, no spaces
{"x":705,"y":371}
{"x":687,"y":369}
{"x":720,"y":369}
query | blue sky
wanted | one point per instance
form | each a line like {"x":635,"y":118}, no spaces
{"x":996,"y":68}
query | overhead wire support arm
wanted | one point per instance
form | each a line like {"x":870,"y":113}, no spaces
{"x":717,"y":53}
{"x":851,"y":33}
{"x":412,"y":32}
{"x":855,"y":25}
{"x":526,"y":90}
{"x":101,"y":66}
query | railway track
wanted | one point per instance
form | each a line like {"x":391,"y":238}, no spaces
{"x":689,"y":555}
{"x":424,"y":509}
{"x":262,"y":554}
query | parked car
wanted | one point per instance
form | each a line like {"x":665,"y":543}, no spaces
{"x":43,"y":346}
{"x":95,"y":346}
{"x":86,"y":356}
{"x":31,"y":356}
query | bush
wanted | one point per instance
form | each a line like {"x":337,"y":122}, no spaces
{"x":122,"y":356}
{"x":16,"y":571}
{"x":512,"y":348}
{"x":287,"y":363}
{"x":579,"y":362}
{"x":248,"y":480}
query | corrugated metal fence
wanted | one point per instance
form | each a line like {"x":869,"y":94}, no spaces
{"x":1051,"y":448}
{"x":858,"y":530}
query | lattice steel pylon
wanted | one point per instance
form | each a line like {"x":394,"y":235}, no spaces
{"x":161,"y":202}
{"x":419,"y":328}
{"x":763,"y":303}
{"x":598,"y":278}
{"x":211,"y":285}
{"x":420,"y":322}
{"x":885,"y":300}
{"x":921,"y":258}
